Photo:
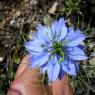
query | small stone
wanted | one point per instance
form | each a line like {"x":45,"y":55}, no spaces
{"x":6,"y":45}
{"x":18,"y":13}
{"x":92,"y":61}
{"x":27,"y":6}
{"x":14,"y":23}
{"x":1,"y":59}
{"x":91,"y":45}
{"x":26,"y":0}
{"x":33,"y":2}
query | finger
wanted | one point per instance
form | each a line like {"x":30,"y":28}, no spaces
{"x":13,"y":92}
{"x":62,"y":87}
{"x":67,"y":89}
{"x":22,"y":65}
{"x":27,"y":81}
{"x":57,"y":88}
{"x":26,"y":84}
{"x":13,"y":89}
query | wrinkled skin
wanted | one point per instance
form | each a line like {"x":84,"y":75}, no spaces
{"x":27,"y":82}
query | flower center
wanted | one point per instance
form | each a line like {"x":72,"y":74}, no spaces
{"x":57,"y":47}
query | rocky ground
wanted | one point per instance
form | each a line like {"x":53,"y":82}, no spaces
{"x":18,"y":20}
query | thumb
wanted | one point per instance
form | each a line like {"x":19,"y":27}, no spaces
{"x":27,"y":81}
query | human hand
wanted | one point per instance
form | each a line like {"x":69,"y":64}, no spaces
{"x":27,"y":82}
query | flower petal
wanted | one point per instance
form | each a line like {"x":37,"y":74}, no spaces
{"x":76,"y":42}
{"x":43,"y":33}
{"x":56,"y":70}
{"x":78,"y":57}
{"x":75,"y":39}
{"x":69,"y":67}
{"x":34,"y":46}
{"x":70,"y":31}
{"x":57,"y":27}
{"x":53,"y":71}
{"x":53,"y":27}
{"x":39,"y":59}
{"x":47,"y":32}
{"x":43,"y":68}
{"x":50,"y":70}
{"x":75,"y":51}
{"x":63,"y":32}
{"x":59,"y":24}
{"x":61,"y":73}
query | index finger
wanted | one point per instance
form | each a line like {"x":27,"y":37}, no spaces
{"x":62,"y":87}
{"x":67,"y":89}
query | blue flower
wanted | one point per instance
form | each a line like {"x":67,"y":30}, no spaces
{"x":56,"y":49}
